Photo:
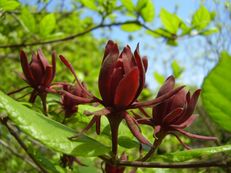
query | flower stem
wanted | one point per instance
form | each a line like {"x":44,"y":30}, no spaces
{"x":160,"y":136}
{"x":114,"y":120}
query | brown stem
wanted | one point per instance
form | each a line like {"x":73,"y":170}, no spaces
{"x":160,"y":136}
{"x":114,"y":120}
{"x":22,"y":144}
{"x":198,"y":164}
{"x":43,"y":97}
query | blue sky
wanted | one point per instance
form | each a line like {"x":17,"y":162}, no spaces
{"x":189,"y":52}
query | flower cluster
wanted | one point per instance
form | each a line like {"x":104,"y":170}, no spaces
{"x":121,"y":81}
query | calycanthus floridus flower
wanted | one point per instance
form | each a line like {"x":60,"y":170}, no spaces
{"x":175,"y":114}
{"x":38,"y":74}
{"x":121,"y":80}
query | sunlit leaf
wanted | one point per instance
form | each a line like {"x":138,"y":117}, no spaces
{"x":128,"y":4}
{"x":90,"y":4}
{"x":47,"y":24}
{"x":148,"y":12}
{"x":8,"y":5}
{"x":201,"y":18}
{"x":210,"y":31}
{"x":177,"y":69}
{"x":181,"y":156}
{"x":28,"y":20}
{"x":170,"y":21}
{"x":216,"y":95}
{"x":131,"y":27}
{"x":49,"y":132}
{"x":159,"y":77}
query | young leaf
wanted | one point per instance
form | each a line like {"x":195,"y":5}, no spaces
{"x":27,"y":20}
{"x":159,"y":77}
{"x":148,"y":12}
{"x":177,"y":69}
{"x":216,"y":95}
{"x":49,"y":132}
{"x":8,"y":5}
{"x":128,"y":4}
{"x":47,"y":25}
{"x":210,"y":31}
{"x":201,"y":18}
{"x":170,"y":21}
{"x":131,"y":27}
{"x":89,"y":4}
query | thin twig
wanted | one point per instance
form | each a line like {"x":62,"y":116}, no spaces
{"x":4,"y":144}
{"x":198,"y":164}
{"x":71,"y":37}
{"x":22,"y":144}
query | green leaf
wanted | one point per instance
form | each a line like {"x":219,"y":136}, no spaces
{"x":160,"y":32}
{"x":47,"y":25}
{"x":181,"y":156}
{"x":127,"y":142}
{"x":201,"y":18}
{"x":170,"y":21}
{"x":159,"y":77}
{"x":27,"y":20}
{"x":177,"y":69}
{"x":89,"y":4}
{"x":141,"y":4}
{"x":8,"y":5}
{"x":210,"y":31}
{"x":128,"y":4}
{"x":131,"y":27}
{"x":148,"y":11}
{"x":216,"y":95}
{"x":49,"y":132}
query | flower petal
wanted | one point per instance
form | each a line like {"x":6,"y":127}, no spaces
{"x":26,"y":69}
{"x":132,"y":125}
{"x":167,"y":86}
{"x":172,"y":116}
{"x":53,"y":64}
{"x":197,"y":136}
{"x":111,"y":47}
{"x":127,"y":89}
{"x":105,"y":77}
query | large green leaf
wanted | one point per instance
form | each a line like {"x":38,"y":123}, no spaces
{"x":47,"y":25}
{"x":8,"y":5}
{"x":27,"y":20}
{"x":49,"y":132}
{"x":186,"y":155}
{"x":148,"y":12}
{"x":216,"y":95}
{"x":201,"y":18}
{"x":128,"y":4}
{"x":131,"y":27}
{"x":170,"y":21}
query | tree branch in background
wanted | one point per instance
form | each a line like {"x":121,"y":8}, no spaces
{"x":4,"y":144}
{"x":71,"y":37}
{"x":21,"y":143}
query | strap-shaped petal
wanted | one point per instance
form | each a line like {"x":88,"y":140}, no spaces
{"x":26,"y":69}
{"x":105,"y":77}
{"x":127,"y":89}
{"x":132,"y":125}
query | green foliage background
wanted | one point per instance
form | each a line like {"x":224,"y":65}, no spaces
{"x":70,"y":32}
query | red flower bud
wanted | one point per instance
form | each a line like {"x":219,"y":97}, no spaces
{"x":70,"y":100}
{"x":38,"y":73}
{"x":176,"y":113}
{"x":122,"y":76}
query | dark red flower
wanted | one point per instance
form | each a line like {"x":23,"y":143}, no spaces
{"x":176,"y":113}
{"x":122,"y":76}
{"x":38,"y":74}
